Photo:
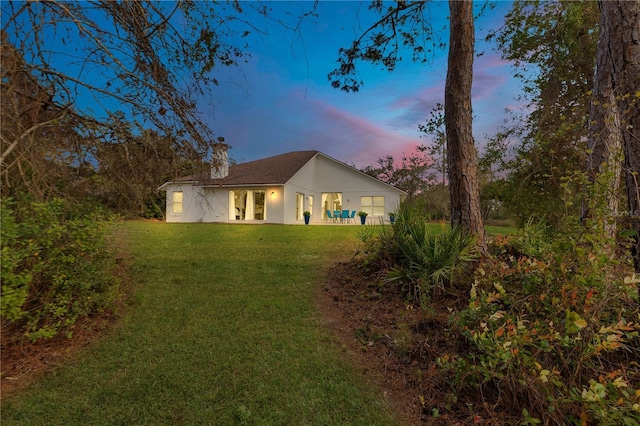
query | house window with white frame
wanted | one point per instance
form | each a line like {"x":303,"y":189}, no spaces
{"x":374,"y":205}
{"x":176,"y":202}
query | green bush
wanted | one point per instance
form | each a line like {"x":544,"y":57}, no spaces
{"x":56,"y":266}
{"x":552,"y":340}
{"x":417,"y":258}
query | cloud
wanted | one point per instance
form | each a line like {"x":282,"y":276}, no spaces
{"x":277,"y":103}
{"x":355,"y":139}
{"x":415,"y":108}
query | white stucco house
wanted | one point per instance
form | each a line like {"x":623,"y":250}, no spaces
{"x":279,"y":189}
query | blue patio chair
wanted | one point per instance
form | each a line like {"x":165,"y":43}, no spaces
{"x":353,"y":215}
{"x":329,"y":216}
{"x":344,"y":217}
{"x":336,"y":215}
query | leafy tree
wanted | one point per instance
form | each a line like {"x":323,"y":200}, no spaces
{"x":121,"y":183}
{"x":552,"y":46}
{"x":405,"y":26}
{"x":438,"y":148}
{"x":79,"y":64}
{"x":411,"y":175}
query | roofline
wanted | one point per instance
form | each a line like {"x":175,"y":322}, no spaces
{"x":241,"y":185}
{"x":172,"y":182}
{"x":236,"y":185}
{"x":194,"y":182}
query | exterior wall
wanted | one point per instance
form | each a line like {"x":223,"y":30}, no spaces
{"x":191,"y":211}
{"x":199,"y":204}
{"x":320,"y":175}
{"x":275,"y":203}
{"x":215,"y":204}
{"x":323,"y":174}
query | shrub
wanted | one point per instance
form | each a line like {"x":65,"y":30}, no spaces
{"x":552,"y":340}
{"x":56,"y":266}
{"x":416,"y":258}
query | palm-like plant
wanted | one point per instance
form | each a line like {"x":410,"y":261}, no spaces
{"x":425,"y":260}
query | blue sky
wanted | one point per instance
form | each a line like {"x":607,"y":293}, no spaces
{"x":281,"y":100}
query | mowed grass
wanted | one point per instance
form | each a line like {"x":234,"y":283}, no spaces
{"x":223,"y":330}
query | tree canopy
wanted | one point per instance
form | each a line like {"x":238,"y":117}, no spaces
{"x":77,"y":69}
{"x":552,"y":46}
{"x":404,"y":26}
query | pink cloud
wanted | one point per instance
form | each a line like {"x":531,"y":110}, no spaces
{"x":357,"y":140}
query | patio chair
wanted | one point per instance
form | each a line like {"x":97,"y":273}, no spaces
{"x":329,"y":216}
{"x":344,"y":217}
{"x":353,"y":216}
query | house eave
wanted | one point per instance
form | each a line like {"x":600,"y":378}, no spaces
{"x":175,"y":182}
{"x":239,"y":185}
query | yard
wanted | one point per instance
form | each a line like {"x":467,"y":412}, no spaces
{"x":222,"y":328}
{"x":223,"y":324}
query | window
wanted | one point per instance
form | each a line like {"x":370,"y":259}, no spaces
{"x":247,"y":205}
{"x":310,"y":204}
{"x":176,"y":202}
{"x":372,"y":205}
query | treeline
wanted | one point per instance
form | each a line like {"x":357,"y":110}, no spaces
{"x":95,"y":115}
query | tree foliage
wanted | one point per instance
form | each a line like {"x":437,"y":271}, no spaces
{"x":552,"y":46}
{"x":71,"y":72}
{"x":402,"y":27}
{"x":412,"y":174}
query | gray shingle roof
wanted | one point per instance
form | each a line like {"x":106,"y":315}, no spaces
{"x":272,"y":170}
{"x":276,"y":170}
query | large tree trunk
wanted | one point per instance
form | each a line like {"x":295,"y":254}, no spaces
{"x":604,"y":145}
{"x":461,"y":153}
{"x":621,"y":27}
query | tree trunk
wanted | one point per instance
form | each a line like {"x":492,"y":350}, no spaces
{"x":604,"y":145}
{"x":461,"y":153}
{"x":621,"y":27}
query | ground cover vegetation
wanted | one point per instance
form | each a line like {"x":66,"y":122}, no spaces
{"x":545,"y":331}
{"x":541,"y":327}
{"x":57,"y":267}
{"x":222,"y":327}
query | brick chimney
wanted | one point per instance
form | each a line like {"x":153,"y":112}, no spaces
{"x":220,"y":160}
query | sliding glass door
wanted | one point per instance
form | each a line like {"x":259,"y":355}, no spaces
{"x":331,"y":201}
{"x":247,"y":205}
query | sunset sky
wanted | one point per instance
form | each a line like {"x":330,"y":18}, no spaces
{"x":281,"y":100}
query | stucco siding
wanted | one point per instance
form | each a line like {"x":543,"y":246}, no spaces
{"x":191,"y":211}
{"x":324,"y":175}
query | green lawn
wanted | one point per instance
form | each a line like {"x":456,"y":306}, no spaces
{"x":223,"y":330}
